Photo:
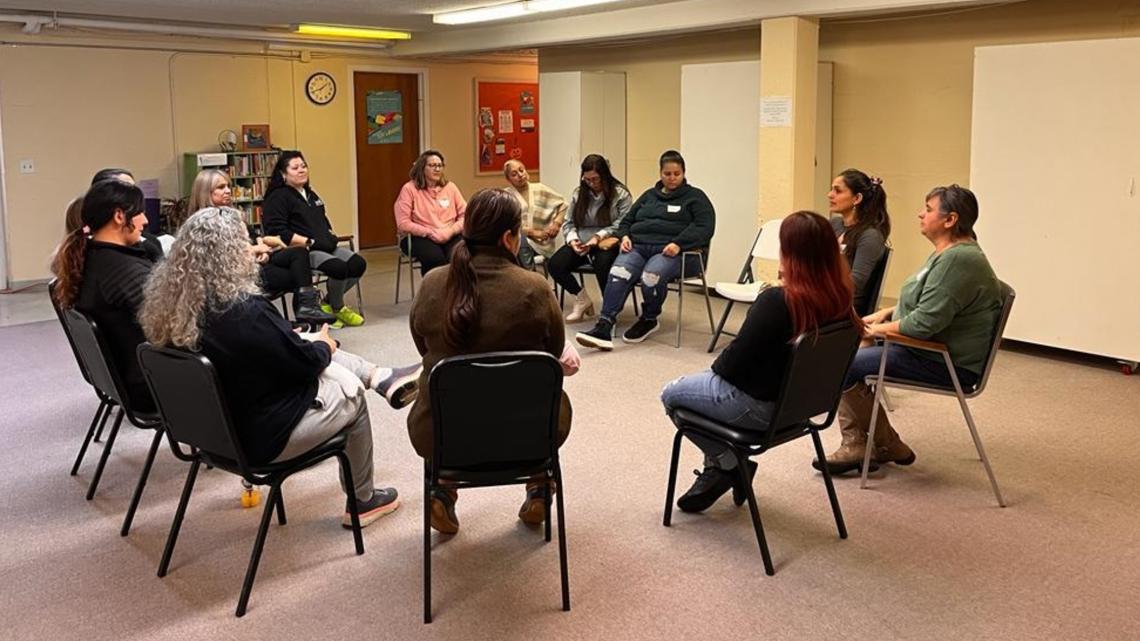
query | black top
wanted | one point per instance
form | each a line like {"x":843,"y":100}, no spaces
{"x":152,"y":246}
{"x":286,"y":212}
{"x":756,"y":360}
{"x":684,"y":216}
{"x":268,"y":373}
{"x":112,"y":294}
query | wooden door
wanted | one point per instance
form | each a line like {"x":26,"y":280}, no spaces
{"x":387,"y":115}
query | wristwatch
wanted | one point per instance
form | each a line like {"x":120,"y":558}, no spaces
{"x":308,"y":243}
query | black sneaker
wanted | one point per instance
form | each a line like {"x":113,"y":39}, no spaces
{"x":600,"y":337}
{"x":383,"y":501}
{"x":740,"y":494}
{"x":711,"y":484}
{"x":640,"y":330}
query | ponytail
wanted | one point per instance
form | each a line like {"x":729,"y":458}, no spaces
{"x":67,"y":265}
{"x":870,"y":213}
{"x":462,"y":298}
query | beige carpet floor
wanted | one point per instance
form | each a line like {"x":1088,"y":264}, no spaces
{"x":930,"y":556}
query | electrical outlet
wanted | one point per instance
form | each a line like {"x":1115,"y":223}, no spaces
{"x":27,"y":166}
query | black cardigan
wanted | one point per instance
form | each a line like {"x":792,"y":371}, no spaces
{"x":268,"y":373}
{"x":286,"y":212}
{"x":755,"y":361}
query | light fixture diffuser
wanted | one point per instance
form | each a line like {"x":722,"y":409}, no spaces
{"x":351,"y":32}
{"x":510,"y":10}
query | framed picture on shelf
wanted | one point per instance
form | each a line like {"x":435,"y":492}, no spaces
{"x":255,"y":137}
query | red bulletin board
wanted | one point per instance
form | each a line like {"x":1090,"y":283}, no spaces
{"x":506,"y":125}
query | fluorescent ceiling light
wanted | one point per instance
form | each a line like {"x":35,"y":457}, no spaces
{"x":510,"y":10}
{"x":481,"y":14}
{"x":351,"y":32}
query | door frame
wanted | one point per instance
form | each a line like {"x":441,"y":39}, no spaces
{"x":424,"y":115}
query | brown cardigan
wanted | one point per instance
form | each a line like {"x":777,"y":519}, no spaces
{"x":517,"y":311}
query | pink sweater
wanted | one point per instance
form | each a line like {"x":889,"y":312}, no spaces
{"x":422,"y":211}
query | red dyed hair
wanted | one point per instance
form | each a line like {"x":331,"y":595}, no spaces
{"x":817,"y":281}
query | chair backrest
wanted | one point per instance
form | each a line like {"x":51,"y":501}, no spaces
{"x":67,"y":330}
{"x":767,"y":245}
{"x":92,"y":351}
{"x":1007,"y":296}
{"x":813,"y":379}
{"x":874,"y":292}
{"x":188,"y":396}
{"x":494,"y":411}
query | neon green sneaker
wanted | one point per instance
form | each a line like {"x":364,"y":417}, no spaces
{"x":326,"y":308}
{"x":349,"y":316}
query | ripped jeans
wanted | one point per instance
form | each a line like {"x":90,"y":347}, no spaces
{"x":644,"y":264}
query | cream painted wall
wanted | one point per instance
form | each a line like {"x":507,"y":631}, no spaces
{"x":74,"y":110}
{"x":903,"y":91}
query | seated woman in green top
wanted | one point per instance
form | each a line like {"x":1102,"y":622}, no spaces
{"x":955,"y":299}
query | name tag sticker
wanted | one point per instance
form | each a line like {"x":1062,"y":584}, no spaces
{"x":672,"y":209}
{"x":444,"y":202}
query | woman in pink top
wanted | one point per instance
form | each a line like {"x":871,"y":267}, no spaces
{"x":429,"y":213}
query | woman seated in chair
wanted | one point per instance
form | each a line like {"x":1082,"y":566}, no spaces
{"x":597,"y":207}
{"x":955,"y":299}
{"x":484,"y":301}
{"x":429,"y":213}
{"x":293,"y":212}
{"x":283,"y":269}
{"x":286,"y":393}
{"x":741,"y":388}
{"x":101,"y":269}
{"x":858,"y":204}
{"x":671,"y":218}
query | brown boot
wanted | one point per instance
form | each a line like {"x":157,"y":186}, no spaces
{"x":533,"y":510}
{"x":853,"y":417}
{"x":889,"y":448}
{"x":443,"y":518}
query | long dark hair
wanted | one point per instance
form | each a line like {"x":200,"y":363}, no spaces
{"x":277,"y":180}
{"x":490,"y":214}
{"x":419,"y":167}
{"x":99,"y":206}
{"x":871,"y":212}
{"x":817,"y":283}
{"x":596,"y":163}
{"x":961,"y":201}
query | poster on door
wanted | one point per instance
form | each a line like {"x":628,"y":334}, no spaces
{"x":385,"y":113}
{"x":506,"y":125}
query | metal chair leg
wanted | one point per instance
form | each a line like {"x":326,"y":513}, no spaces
{"x":874,"y":419}
{"x":680,"y":299}
{"x":427,"y":547}
{"x":106,"y":417}
{"x":258,"y":545}
{"x":720,"y":326}
{"x":353,"y":510}
{"x":281,"y":508}
{"x":563,"y":563}
{"x":973,"y":430}
{"x":97,"y":420}
{"x":705,"y":291}
{"x":137,"y":496}
{"x":887,"y":402}
{"x":172,"y":538}
{"x":742,"y":473}
{"x":399,"y":268}
{"x":835,"y":511}
{"x":671,"y":488}
{"x":547,"y":504}
{"x":106,"y":454}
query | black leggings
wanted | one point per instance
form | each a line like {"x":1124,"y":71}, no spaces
{"x":286,"y":271}
{"x":338,"y":269}
{"x":430,"y":255}
{"x":565,"y":260}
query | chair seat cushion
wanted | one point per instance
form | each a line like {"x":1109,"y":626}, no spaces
{"x":740,"y":292}
{"x":934,"y":387}
{"x":688,"y":421}
{"x":494,"y":473}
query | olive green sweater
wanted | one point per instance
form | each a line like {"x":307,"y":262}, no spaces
{"x":954,"y":299}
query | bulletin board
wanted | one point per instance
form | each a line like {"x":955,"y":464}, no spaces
{"x":506,"y":125}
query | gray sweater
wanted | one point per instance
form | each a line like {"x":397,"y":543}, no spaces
{"x":869,"y":248}
{"x":618,"y":209}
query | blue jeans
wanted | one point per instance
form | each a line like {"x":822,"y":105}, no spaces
{"x":710,"y":395}
{"x":904,"y":363}
{"x":644,"y":264}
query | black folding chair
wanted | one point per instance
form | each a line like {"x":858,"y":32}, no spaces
{"x":494,"y":422}
{"x":96,"y":358}
{"x":813,"y":381}
{"x":875,"y":285}
{"x":188,"y":394}
{"x":106,"y":404}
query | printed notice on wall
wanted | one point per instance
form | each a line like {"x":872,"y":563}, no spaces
{"x":506,"y":121}
{"x":776,"y":111}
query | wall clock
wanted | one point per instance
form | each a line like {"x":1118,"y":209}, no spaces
{"x":320,"y":88}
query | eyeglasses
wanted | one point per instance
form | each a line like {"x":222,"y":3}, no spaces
{"x":596,"y":180}
{"x":434,"y":165}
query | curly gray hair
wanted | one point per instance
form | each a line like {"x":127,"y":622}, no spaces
{"x":208,"y":269}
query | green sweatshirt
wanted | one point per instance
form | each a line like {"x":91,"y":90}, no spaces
{"x":954,"y":299}
{"x":683,"y":216}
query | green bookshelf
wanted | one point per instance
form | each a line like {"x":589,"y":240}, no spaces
{"x":249,"y":173}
